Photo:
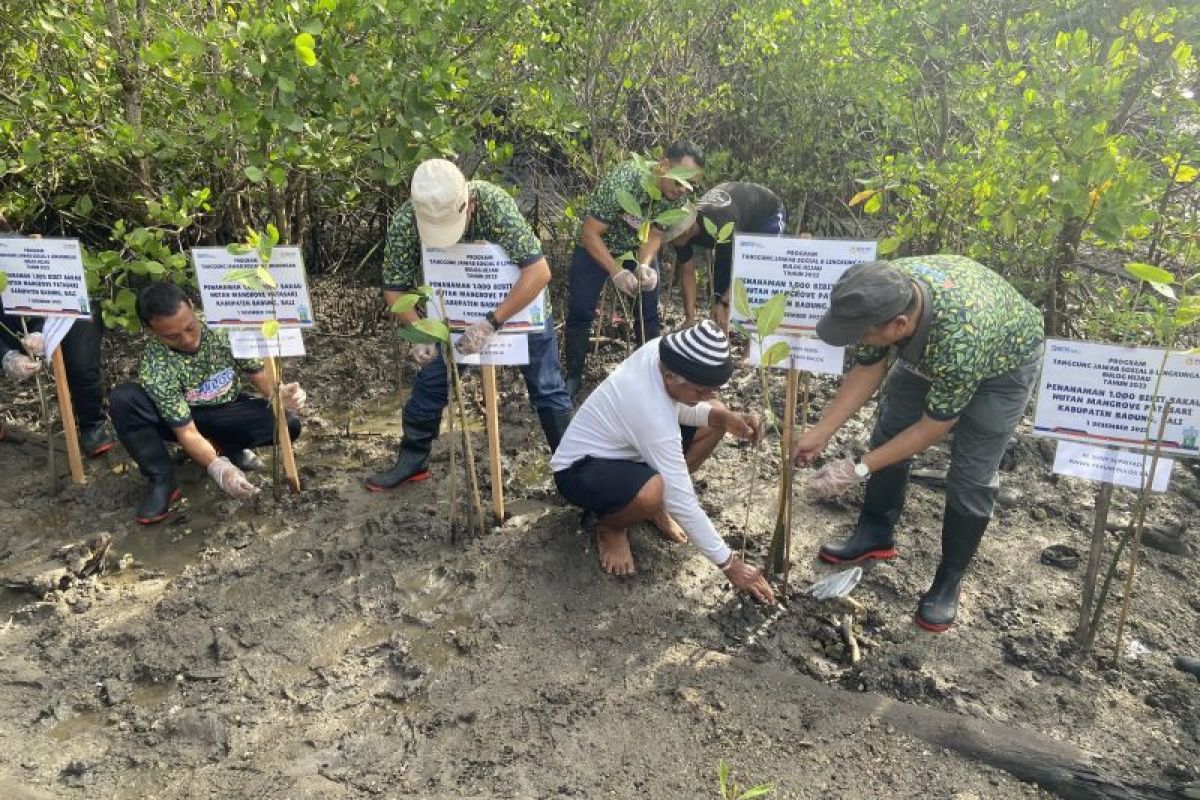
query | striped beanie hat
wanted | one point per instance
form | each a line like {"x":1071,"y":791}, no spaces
{"x":699,"y":354}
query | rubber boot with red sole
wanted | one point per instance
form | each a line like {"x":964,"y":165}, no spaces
{"x":961,"y":533}
{"x":148,"y":450}
{"x":874,"y":533}
{"x":412,"y":462}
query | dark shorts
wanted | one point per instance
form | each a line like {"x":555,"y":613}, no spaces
{"x":606,"y":485}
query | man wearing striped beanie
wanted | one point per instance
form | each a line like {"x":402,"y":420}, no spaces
{"x":629,"y":453}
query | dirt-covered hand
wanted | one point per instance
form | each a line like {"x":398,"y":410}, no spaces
{"x":808,"y":446}
{"x":749,"y":580}
{"x":746,"y":427}
{"x":475,"y":337}
{"x":34,"y":344}
{"x":293,"y":396}
{"x":647,"y":277}
{"x":18,"y":366}
{"x":833,"y":479}
{"x":625,"y":281}
{"x":231,"y":479}
{"x":423,"y":353}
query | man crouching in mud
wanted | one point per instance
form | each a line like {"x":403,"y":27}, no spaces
{"x":629,"y":452}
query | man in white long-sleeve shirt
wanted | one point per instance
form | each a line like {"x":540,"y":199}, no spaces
{"x":628,"y":453}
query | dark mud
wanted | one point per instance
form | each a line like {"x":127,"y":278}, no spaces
{"x":335,"y":644}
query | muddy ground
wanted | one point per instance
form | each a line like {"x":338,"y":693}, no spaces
{"x":337,"y":644}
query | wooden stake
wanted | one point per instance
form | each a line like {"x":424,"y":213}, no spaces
{"x":491,"y":403}
{"x":282,"y":436}
{"x":74,"y":454}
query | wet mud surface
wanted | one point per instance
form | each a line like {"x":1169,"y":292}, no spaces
{"x":337,"y":644}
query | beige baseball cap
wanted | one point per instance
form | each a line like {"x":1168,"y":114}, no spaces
{"x":439,"y":200}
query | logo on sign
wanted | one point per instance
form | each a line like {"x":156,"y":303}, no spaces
{"x":859,"y":249}
{"x":214,"y":386}
{"x":750,"y":243}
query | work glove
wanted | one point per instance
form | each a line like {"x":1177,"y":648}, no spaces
{"x":34,"y":344}
{"x":625,"y":281}
{"x":423,"y":353}
{"x":292,"y":396}
{"x":647,"y":276}
{"x":18,"y":366}
{"x":475,"y":337}
{"x":833,"y":479}
{"x":231,"y":479}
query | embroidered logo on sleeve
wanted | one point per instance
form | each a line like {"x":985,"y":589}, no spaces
{"x":214,"y":386}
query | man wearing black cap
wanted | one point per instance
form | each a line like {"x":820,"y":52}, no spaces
{"x":967,"y":350}
{"x":628,"y":454}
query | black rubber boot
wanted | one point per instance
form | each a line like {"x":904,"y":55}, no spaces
{"x":576,"y":344}
{"x":96,"y":439}
{"x":412,"y":463}
{"x":961,"y":533}
{"x":874,"y":534}
{"x":150,"y":453}
{"x":554,"y":425}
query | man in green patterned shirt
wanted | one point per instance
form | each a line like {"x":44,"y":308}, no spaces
{"x":444,"y":209}
{"x":189,"y":390}
{"x":608,"y":232}
{"x":967,"y":352}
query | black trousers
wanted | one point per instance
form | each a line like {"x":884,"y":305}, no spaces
{"x":244,"y":422}
{"x":81,"y":355}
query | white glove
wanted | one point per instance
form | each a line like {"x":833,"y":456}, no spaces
{"x":19,"y":366}
{"x":34,"y":344}
{"x":423,"y":353}
{"x":625,"y":281}
{"x":833,"y":479}
{"x":231,"y":479}
{"x":293,"y":396}
{"x":475,"y":337}
{"x":647,"y":276}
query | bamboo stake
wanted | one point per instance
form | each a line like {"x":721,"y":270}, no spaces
{"x":1143,"y":502}
{"x":67,"y":413}
{"x":491,"y":402}
{"x":776,"y":557}
{"x":1099,"y":534}
{"x":283,"y":438}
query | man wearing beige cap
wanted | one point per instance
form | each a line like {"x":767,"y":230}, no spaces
{"x":966,"y":348}
{"x":444,"y":209}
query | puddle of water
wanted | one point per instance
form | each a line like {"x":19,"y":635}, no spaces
{"x":91,"y":722}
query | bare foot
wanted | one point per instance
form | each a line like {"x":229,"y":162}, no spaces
{"x":615,"y":555}
{"x":668,"y":528}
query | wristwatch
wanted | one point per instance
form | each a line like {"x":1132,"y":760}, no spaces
{"x":491,"y":317}
{"x":861,"y":470}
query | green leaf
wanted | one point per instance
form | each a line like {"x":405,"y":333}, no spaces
{"x":1166,"y":290}
{"x":254,"y":174}
{"x":711,"y":227}
{"x":741,"y":299}
{"x":406,"y":303}
{"x":770,"y":314}
{"x":874,"y":203}
{"x":304,"y":40}
{"x":433,"y":328}
{"x":3,"y":280}
{"x":670,"y":217}
{"x":776,"y":353}
{"x":888,"y":245}
{"x":307,"y":55}
{"x":245,"y":277}
{"x":725,"y":232}
{"x":1149,"y":272}
{"x":762,"y":790}
{"x":628,"y":203}
{"x":266,"y":277}
{"x":1186,"y":173}
{"x":270,"y":328}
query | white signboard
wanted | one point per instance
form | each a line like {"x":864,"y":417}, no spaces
{"x":1099,"y":394}
{"x":231,"y":305}
{"x":808,"y":353}
{"x":804,"y":268}
{"x":1106,"y":465}
{"x":45,"y":278}
{"x":498,"y":351}
{"x":474,"y":279}
{"x":250,"y":343}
